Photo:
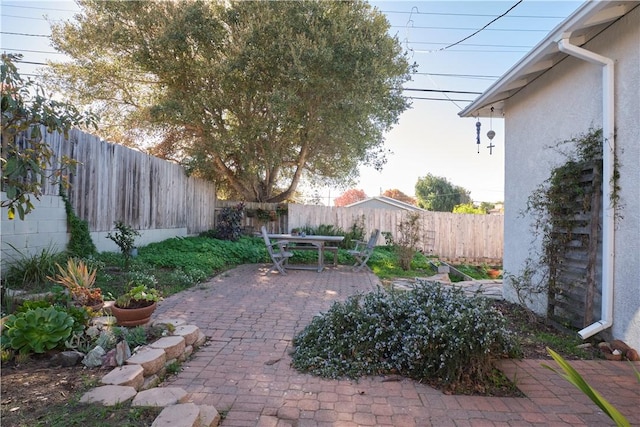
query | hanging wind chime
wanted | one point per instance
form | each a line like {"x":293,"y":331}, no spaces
{"x":491,"y":134}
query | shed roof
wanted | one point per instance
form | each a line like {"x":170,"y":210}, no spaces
{"x":590,"y":19}
{"x":386,"y":200}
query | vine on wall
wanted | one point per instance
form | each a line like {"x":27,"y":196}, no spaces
{"x":566,"y":212}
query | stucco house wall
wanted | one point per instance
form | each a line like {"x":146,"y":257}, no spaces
{"x":566,"y":102}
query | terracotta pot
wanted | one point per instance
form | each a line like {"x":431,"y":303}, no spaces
{"x":133,"y":316}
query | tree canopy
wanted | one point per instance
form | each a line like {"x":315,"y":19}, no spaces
{"x":253,"y":95}
{"x":350,"y":196}
{"x":435,"y":193}
{"x":399,"y":195}
{"x":27,"y":161}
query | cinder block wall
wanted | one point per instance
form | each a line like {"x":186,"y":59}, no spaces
{"x":44,"y":227}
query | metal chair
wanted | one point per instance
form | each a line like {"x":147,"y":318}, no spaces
{"x":277,"y":251}
{"x":363,"y":250}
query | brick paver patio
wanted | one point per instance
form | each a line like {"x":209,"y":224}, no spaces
{"x":245,"y":369}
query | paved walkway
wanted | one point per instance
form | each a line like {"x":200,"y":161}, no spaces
{"x":245,"y":370}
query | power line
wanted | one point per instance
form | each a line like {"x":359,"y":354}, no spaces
{"x":530,"y":30}
{"x":32,"y":51}
{"x":443,"y":91}
{"x":417,"y":12}
{"x":25,"y":34}
{"x":23,"y":17}
{"x":483,"y":28}
{"x":38,"y":8}
{"x":464,"y":76}
{"x":438,"y":99}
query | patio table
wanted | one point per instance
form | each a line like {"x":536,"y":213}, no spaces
{"x":313,"y":240}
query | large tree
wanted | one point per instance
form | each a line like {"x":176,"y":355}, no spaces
{"x":350,"y":196}
{"x":436,"y":193}
{"x":253,"y":95}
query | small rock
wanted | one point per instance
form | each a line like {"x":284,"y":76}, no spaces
{"x":93,"y":359}
{"x":109,"y":359}
{"x":66,"y":359}
{"x":123,"y":352}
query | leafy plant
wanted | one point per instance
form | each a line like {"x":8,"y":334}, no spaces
{"x":79,"y":280}
{"x":37,"y":330}
{"x":124,"y":236}
{"x":32,"y":272}
{"x":27,"y":161}
{"x":138,"y":296}
{"x":134,"y":337}
{"x":571,"y":375}
{"x":229,"y":226}
{"x":80,"y":242}
{"x":413,"y":333}
{"x":409,"y":236}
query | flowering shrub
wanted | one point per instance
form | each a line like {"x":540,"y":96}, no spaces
{"x":430,"y":332}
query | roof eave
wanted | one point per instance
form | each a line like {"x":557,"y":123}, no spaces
{"x":542,"y":57}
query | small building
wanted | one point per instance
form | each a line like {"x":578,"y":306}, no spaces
{"x":384,"y":202}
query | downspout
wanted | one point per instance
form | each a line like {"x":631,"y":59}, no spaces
{"x":608,"y":182}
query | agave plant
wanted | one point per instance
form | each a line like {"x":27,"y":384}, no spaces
{"x":79,"y":279}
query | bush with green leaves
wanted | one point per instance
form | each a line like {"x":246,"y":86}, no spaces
{"x":229,"y":223}
{"x":37,"y":330}
{"x":30,"y":272}
{"x":430,"y":332}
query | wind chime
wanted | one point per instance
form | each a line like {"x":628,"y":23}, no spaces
{"x":491,"y":134}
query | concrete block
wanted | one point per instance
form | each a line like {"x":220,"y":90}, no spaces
{"x":151,"y":360}
{"x":184,"y":415}
{"x":108,"y":395}
{"x":209,"y":416}
{"x":173,"y":346}
{"x":127,"y":375}
{"x":160,"y":396}
{"x":189,"y":332}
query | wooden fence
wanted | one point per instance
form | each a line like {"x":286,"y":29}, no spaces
{"x":452,"y":237}
{"x":116,"y":183}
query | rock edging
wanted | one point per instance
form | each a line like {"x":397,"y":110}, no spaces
{"x":141,"y":372}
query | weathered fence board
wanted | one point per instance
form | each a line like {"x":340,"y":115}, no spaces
{"x":115,"y":183}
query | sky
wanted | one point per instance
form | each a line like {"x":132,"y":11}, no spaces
{"x":430,"y":137}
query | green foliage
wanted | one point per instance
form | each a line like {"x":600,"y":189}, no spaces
{"x":431,"y":332}
{"x":27,"y":161}
{"x":291,"y":89}
{"x":558,"y":206}
{"x":124,"y":236}
{"x":79,"y":279}
{"x":32,"y":272}
{"x":229,"y":223}
{"x":80,"y":242}
{"x":409,"y":236}
{"x":469,"y":208}
{"x":133,"y":336}
{"x":138,"y":296}
{"x":438,"y":194}
{"x":571,"y":375}
{"x":38,"y":330}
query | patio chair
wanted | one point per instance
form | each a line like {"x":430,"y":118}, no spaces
{"x":277,"y":251}
{"x":363,"y":250}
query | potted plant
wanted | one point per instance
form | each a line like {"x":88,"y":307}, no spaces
{"x":79,"y":279}
{"x":136,"y":305}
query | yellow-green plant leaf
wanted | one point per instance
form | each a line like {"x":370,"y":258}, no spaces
{"x":577,"y":380}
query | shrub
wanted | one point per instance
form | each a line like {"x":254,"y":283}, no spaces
{"x":124,"y":236}
{"x":31,"y":272}
{"x":36,"y":331}
{"x":431,"y":332}
{"x":229,"y":225}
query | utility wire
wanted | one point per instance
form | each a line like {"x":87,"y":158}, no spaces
{"x":25,"y":34}
{"x":32,"y":51}
{"x":443,"y":91}
{"x":489,"y":23}
{"x":38,"y":8}
{"x":417,"y":12}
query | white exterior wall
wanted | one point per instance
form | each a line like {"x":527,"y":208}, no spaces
{"x":563,"y":103}
{"x":46,"y":228}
